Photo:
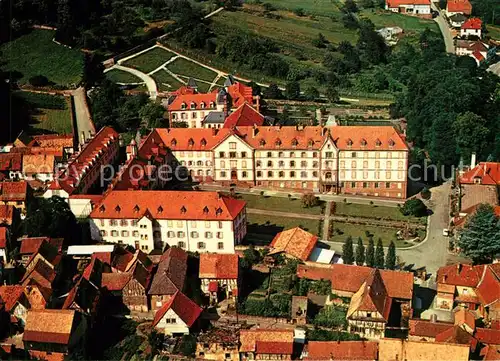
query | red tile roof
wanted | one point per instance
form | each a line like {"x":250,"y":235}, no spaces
{"x":104,"y":257}
{"x":49,"y":326}
{"x":213,"y":286}
{"x":465,"y":317}
{"x":187,"y":310}
{"x":477,"y":54}
{"x":3,"y":237}
{"x":488,"y":336}
{"x":171,"y":273}
{"x":10,"y":162}
{"x":457,"y":335}
{"x":491,"y":353}
{"x":9,"y":295}
{"x":200,"y":101}
{"x":343,"y":350}
{"x":273,"y":348}
{"x":398,"y":3}
{"x":32,"y":245}
{"x":459,"y":6}
{"x":459,"y":275}
{"x":426,"y":328}
{"x":53,"y":140}
{"x":196,"y":139}
{"x":349,"y":278}
{"x":168,"y":205}
{"x":13,"y":191}
{"x":219,"y":266}
{"x":115,"y":281}
{"x":488,"y":289}
{"x":295,"y":242}
{"x":473,"y":23}
{"x":240,"y":93}
{"x":245,"y":115}
{"x":6,"y":214}
{"x":81,"y":164}
{"x":250,"y":338}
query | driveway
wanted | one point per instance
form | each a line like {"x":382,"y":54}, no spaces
{"x":84,"y":124}
{"x":445,"y":30}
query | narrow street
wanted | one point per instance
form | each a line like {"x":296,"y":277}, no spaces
{"x":445,"y":30}
{"x":84,"y":124}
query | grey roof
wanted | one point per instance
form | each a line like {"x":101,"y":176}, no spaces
{"x":229,"y":81}
{"x":221,"y":96}
{"x":192,"y":83}
{"x":214,"y":118}
{"x":459,"y":17}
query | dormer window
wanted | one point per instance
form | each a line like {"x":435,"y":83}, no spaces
{"x":136,"y":208}
{"x":218,"y":212}
{"x":102,"y":208}
{"x":349,"y":142}
{"x":205,"y":210}
{"x":363,"y":142}
{"x":212,"y":105}
{"x":160,"y":209}
{"x":193,"y":105}
{"x":183,"y":106}
{"x":202,"y":105}
{"x":378,"y":143}
{"x":262,"y":142}
{"x":295,"y":142}
{"x":278,"y":142}
{"x":391,"y":143}
{"x":183,"y":210}
{"x":310,"y":143}
{"x":173,"y":143}
{"x":118,"y":209}
{"x":203,"y":142}
{"x":190,"y":142}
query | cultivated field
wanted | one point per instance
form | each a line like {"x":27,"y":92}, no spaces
{"x":165,"y":81}
{"x":185,"y":69}
{"x":36,"y":54}
{"x":120,"y":76}
{"x":149,"y":60}
{"x":493,"y":31}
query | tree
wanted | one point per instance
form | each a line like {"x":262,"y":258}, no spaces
{"x":180,"y":125}
{"x":347,"y":251}
{"x":309,"y":200}
{"x":360,"y":253}
{"x":425,"y":193}
{"x":311,"y":93}
{"x":272,"y":92}
{"x":51,"y":217}
{"x":292,"y":90}
{"x":390,"y":259}
{"x":39,"y":80}
{"x":471,"y":133}
{"x":332,"y":94}
{"x":350,"y":6}
{"x":370,"y":253}
{"x":299,"y":12}
{"x":251,"y":256}
{"x":152,"y":114}
{"x":256,"y":89}
{"x":480,"y":237}
{"x":379,"y":255}
{"x":414,"y":207}
{"x":320,"y":41}
{"x":330,"y":316}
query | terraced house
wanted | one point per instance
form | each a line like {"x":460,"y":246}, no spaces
{"x":147,"y":220}
{"x":371,"y":160}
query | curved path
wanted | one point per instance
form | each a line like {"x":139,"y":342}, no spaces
{"x":150,"y":83}
{"x":445,"y":29}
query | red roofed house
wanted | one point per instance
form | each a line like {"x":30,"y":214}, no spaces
{"x":11,"y":165}
{"x":488,"y":336}
{"x":458,"y":7}
{"x":84,"y":168}
{"x":295,"y":243}
{"x":169,"y":277}
{"x":244,"y":115}
{"x":147,"y":220}
{"x":375,"y":295}
{"x":343,"y":350}
{"x":177,"y":316}
{"x":219,"y":273}
{"x":266,"y":344}
{"x":420,"y":8}
{"x":15,"y":303}
{"x":426,"y":330}
{"x":479,"y":185}
{"x":30,"y":246}
{"x":17,"y":194}
{"x":54,"y":333}
{"x":472,"y":27}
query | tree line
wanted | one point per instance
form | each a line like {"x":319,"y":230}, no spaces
{"x":371,"y":256}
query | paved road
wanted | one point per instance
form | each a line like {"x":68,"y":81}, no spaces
{"x":150,"y":83}
{"x":445,"y":30}
{"x":82,"y":114}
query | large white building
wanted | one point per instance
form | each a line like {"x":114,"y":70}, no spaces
{"x":371,"y":160}
{"x":420,"y":8}
{"x":193,"y":221}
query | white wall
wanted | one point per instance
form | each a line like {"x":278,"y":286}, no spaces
{"x":170,"y":328}
{"x":233,"y":154}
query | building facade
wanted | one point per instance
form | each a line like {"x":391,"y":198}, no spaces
{"x":352,"y":160}
{"x":420,"y":8}
{"x":192,"y":221}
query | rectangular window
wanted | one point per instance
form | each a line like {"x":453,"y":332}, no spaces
{"x":220,"y":245}
{"x":170,"y":224}
{"x":232,"y":145}
{"x":207,"y":224}
{"x":193,"y":224}
{"x":180,"y":224}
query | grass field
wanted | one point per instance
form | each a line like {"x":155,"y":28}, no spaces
{"x":149,"y":60}
{"x":317,"y":7}
{"x":493,"y":31}
{"x":120,"y":76}
{"x":355,"y":230}
{"x":278,"y":204}
{"x":410,"y":24}
{"x":365,"y":210}
{"x":165,"y":81}
{"x":186,"y":68}
{"x":36,"y":54}
{"x":50,"y":113}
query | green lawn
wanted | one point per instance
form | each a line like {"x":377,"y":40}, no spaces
{"x":355,"y":230}
{"x":188,"y":69}
{"x":150,"y":60}
{"x":165,"y":81}
{"x":53,"y":120}
{"x":366,"y":210}
{"x":316,"y":7}
{"x":36,"y":54}
{"x":383,"y":19}
{"x":262,"y":229}
{"x":120,"y":76}
{"x":493,"y":31}
{"x":278,"y":204}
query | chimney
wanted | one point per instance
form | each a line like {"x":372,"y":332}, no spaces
{"x":433,"y":318}
{"x":459,"y":268}
{"x":473,"y":160}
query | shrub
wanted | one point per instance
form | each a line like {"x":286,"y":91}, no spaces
{"x":309,"y":200}
{"x":414,"y":207}
{"x":327,"y":335}
{"x":331,"y":316}
{"x":299,"y":12}
{"x":333,"y":207}
{"x":39,"y":80}
{"x":425,"y":193}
